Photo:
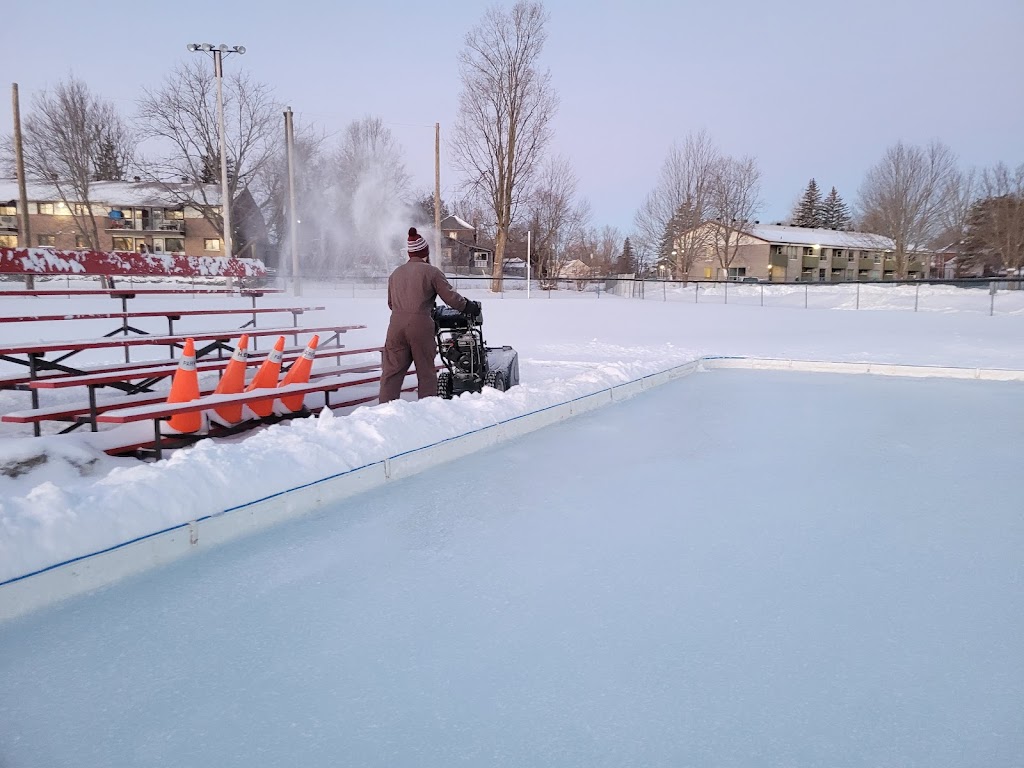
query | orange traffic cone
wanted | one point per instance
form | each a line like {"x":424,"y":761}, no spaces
{"x":185,"y":388}
{"x":266,"y":378}
{"x":299,"y":374}
{"x":232,"y":381}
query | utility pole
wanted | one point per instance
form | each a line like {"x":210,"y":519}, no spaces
{"x":528,"y":238}
{"x":24,"y":234}
{"x":437,"y":193}
{"x":293,"y":232}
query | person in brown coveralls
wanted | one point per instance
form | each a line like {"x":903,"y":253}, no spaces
{"x":412,"y":289}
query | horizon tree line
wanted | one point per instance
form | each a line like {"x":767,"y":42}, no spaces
{"x":355,"y":193}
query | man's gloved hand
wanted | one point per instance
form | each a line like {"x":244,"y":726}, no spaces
{"x":472,"y":309}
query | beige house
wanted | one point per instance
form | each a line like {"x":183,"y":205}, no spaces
{"x":779,"y":253}
{"x":574,"y":270}
{"x":130,"y":216}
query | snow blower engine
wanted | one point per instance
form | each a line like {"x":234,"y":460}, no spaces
{"x":469,"y":364}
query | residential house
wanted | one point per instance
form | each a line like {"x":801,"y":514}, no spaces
{"x":145,"y":217}
{"x":460,"y":251}
{"x":953,"y":261}
{"x":779,"y":253}
{"x":575,"y":269}
{"x":514,"y":267}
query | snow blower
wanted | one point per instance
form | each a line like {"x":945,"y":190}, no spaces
{"x":469,"y":364}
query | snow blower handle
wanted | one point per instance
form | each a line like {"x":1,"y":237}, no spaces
{"x":472,"y":309}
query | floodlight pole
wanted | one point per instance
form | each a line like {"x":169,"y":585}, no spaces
{"x":225,"y":192}
{"x":218,"y":52}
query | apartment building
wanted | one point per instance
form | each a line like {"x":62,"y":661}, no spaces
{"x":138,"y":216}
{"x":779,"y":253}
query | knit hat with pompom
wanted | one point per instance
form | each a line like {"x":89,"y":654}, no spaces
{"x":417,"y":245}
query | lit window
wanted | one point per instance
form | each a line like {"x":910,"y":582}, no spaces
{"x":124,"y":244}
{"x":46,"y":241}
{"x":45,"y":208}
{"x":211,"y":244}
{"x":8,"y":241}
{"x":81,"y":242}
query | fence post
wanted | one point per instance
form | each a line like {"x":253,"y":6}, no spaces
{"x":664,"y":291}
{"x":992,"y":299}
{"x":857,"y":305}
{"x":696,"y":292}
{"x":917,"y":292}
{"x":762,"y":294}
{"x":806,"y":287}
{"x":726,"y":292}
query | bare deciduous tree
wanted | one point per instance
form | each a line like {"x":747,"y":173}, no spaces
{"x":960,"y":195}
{"x":733,"y":202}
{"x":904,"y":196}
{"x":608,"y":242}
{"x":181,"y":116}
{"x":996,"y":228}
{"x":371,"y":189}
{"x":310,"y":173}
{"x":505,"y":111}
{"x":669,"y":218}
{"x":557,"y":218}
{"x":73,"y":138}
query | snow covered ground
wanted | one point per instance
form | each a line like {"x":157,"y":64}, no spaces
{"x":737,"y":568}
{"x":60,"y":497}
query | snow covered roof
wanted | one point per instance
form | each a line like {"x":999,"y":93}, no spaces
{"x":454,"y":222}
{"x":574,"y":268}
{"x":829,"y":238}
{"x":119,"y":193}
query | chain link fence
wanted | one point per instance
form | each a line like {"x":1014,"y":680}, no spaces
{"x":991,"y":296}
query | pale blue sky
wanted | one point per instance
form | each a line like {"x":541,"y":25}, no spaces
{"x":809,"y":88}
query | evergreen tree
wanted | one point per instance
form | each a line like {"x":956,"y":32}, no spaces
{"x":209,"y":173}
{"x":423,"y":210}
{"x":108,"y":165}
{"x":679,"y":223}
{"x":668,"y":242}
{"x":809,"y":212}
{"x":834,"y":212}
{"x":626,"y":263}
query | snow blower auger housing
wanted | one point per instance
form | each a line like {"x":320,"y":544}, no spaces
{"x":469,"y":364}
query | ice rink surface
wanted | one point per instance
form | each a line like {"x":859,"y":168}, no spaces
{"x":735,"y":569}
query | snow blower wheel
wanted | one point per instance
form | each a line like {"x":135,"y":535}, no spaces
{"x":470,"y":365}
{"x":444,"y":385}
{"x":495,"y":380}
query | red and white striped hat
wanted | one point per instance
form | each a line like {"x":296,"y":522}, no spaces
{"x":417,"y":245}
